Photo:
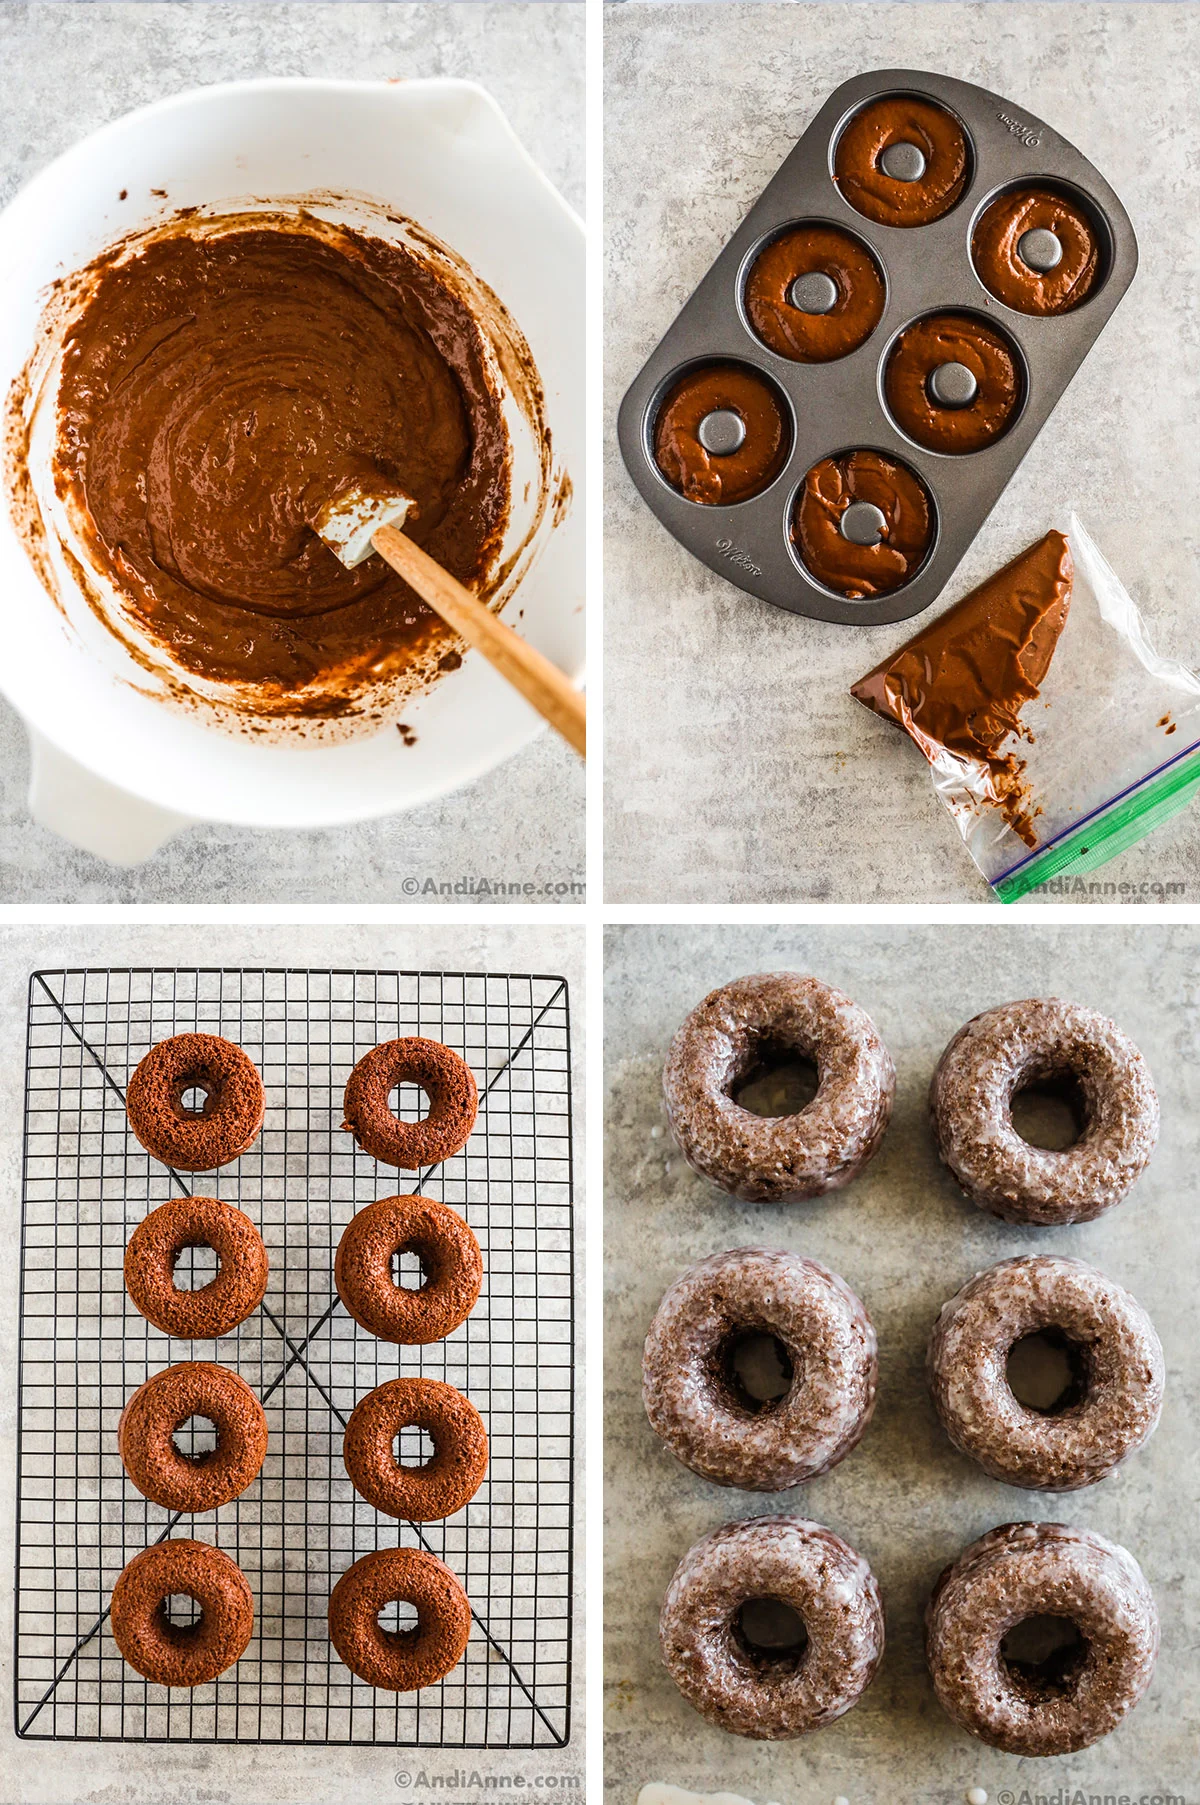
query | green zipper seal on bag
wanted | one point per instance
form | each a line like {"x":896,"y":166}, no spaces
{"x":1121,"y":825}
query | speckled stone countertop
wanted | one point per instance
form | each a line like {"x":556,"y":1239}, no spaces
{"x":69,"y":69}
{"x":761,"y":780}
{"x":180,"y":1773}
{"x":905,"y":1239}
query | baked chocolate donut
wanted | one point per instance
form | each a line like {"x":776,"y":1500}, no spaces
{"x":1113,"y":1399}
{"x":171,"y":1654}
{"x":772,"y":1693}
{"x":161,"y":1406}
{"x":1043,"y":1044}
{"x":228,"y":1123}
{"x":696,"y":1401}
{"x":933,"y":158}
{"x":751,"y":1022}
{"x":1079,"y":1692}
{"x":928,"y":383}
{"x":451,"y":1264}
{"x":894,"y":539}
{"x":744,"y":462}
{"x":214,"y":1309}
{"x":837,"y":323}
{"x":399,"y":1660}
{"x":447,"y":1081}
{"x":447,"y":1481}
{"x":1034,"y":288}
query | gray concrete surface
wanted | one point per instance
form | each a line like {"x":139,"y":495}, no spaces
{"x":67,"y":70}
{"x":68,"y":1773}
{"x":905,"y":1239}
{"x":738,"y":768}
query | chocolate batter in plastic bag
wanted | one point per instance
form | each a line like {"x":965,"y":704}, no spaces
{"x":1068,"y":740}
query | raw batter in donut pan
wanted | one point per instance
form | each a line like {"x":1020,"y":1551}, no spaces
{"x":926,"y":202}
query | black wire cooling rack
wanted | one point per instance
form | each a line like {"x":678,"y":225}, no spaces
{"x":84,"y":1348}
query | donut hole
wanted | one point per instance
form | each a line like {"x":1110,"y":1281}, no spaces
{"x":195,"y":1097}
{"x":408,"y":1270}
{"x":776,"y":1081}
{"x":1044,"y":1656}
{"x":399,"y":1621}
{"x":769,"y":1635}
{"x":196,"y":1439}
{"x":1050,"y":1111}
{"x":180,"y":1614}
{"x":195,"y":1266}
{"x":413,"y":1446}
{"x":755,"y":1369}
{"x":1047,"y":1372}
{"x":408,"y":1102}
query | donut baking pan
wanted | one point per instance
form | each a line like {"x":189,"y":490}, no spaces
{"x":85,"y":1348}
{"x":1008,"y":200}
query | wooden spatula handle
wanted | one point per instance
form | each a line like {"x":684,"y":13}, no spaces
{"x":541,"y":683}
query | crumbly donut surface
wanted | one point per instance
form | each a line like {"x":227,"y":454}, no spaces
{"x":441,"y":1485}
{"x":1020,"y":1044}
{"x":750,"y":1693}
{"x":448,"y":1083}
{"x":161,"y":1405}
{"x":778,"y":1159}
{"x":450,"y":1260}
{"x":232,"y":1115}
{"x":1022,"y":1570}
{"x":829,"y":1339}
{"x":155,"y":1245}
{"x":1119,"y":1351}
{"x":399,"y":1660}
{"x":168,"y":1653}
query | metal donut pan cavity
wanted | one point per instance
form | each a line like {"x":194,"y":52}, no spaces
{"x":837,"y":406}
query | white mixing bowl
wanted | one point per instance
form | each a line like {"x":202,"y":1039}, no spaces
{"x":117,"y":771}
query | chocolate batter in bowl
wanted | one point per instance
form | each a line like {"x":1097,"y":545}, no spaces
{"x":420,"y":194}
{"x":224,"y":378}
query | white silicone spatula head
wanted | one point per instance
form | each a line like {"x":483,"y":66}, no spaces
{"x":347,"y":523}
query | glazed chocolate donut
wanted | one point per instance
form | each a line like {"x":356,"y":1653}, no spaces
{"x":1049,"y":1044}
{"x":161,"y":1406}
{"x":1114,"y":1399}
{"x":213,"y":1309}
{"x":1070,"y":1700}
{"x":778,"y":1159}
{"x":448,"y":1083}
{"x":450,"y":1261}
{"x":399,"y":1660}
{"x":695,"y":1400}
{"x":960,"y":343}
{"x":905,"y":524}
{"x":720,"y":478}
{"x":420,"y":1494}
{"x":902,"y":119}
{"x":168,"y":1653}
{"x":995,"y":251}
{"x":232,"y":1114}
{"x":814,"y":336}
{"x":766,"y":1693}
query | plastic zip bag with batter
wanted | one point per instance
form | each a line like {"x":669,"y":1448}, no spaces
{"x":1055,"y":734}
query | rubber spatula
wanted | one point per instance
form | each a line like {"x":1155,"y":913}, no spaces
{"x":358,"y":523}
